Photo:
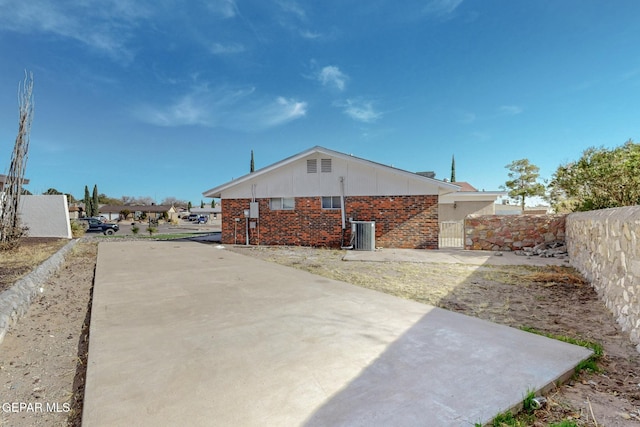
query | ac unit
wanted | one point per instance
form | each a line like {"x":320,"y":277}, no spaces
{"x":363,"y":235}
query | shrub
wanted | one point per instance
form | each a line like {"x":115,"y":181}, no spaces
{"x":77,"y":229}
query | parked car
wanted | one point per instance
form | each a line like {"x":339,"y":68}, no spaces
{"x":94,"y":224}
{"x":192,"y":217}
{"x":202,"y":219}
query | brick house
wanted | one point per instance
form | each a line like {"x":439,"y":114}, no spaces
{"x":311,"y":199}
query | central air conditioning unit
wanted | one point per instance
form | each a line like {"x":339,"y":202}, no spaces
{"x":363,"y":234}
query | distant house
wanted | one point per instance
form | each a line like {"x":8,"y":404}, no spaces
{"x":214,"y":215}
{"x":468,"y":201}
{"x":454,"y":208}
{"x":314,"y":197}
{"x":3,"y":181}
{"x":506,"y":209}
{"x":112,"y":212}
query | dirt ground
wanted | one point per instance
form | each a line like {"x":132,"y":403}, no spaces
{"x":42,"y":359}
{"x":31,"y":253}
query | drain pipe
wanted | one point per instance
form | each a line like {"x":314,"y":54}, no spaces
{"x":343,"y":214}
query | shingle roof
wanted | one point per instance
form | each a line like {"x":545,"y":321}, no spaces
{"x":465,"y":186}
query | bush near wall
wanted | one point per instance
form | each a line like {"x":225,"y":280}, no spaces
{"x":512,"y":232}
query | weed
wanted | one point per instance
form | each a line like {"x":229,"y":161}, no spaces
{"x":528,"y":404}
{"x":505,"y":419}
{"x":564,"y":423}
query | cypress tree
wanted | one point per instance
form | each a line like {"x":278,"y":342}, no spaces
{"x":453,"y":169}
{"x":95,"y":204}
{"x":252,"y":167}
{"x":87,"y":202}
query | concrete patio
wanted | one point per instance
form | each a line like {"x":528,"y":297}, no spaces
{"x":187,"y":333}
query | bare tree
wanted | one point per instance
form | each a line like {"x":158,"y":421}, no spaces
{"x":10,"y":228}
{"x":172,"y":201}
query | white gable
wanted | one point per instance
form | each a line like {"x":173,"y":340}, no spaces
{"x":322,"y":172}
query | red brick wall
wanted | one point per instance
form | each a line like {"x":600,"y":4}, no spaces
{"x":401,"y":222}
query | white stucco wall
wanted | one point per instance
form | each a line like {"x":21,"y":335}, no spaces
{"x":46,"y":216}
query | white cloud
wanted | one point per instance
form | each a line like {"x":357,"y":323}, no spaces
{"x":511,"y":110}
{"x":224,"y":8}
{"x":442,"y":7}
{"x":291,"y":6}
{"x":237,"y":109}
{"x":332,"y":76}
{"x":361,"y":110}
{"x":228,"y":48}
{"x":280,"y":111}
{"x":308,"y":34}
{"x":105,"y":27}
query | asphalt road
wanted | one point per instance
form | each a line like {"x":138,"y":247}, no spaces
{"x":182,"y":227}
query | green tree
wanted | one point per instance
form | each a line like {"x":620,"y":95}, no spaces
{"x":213,"y":203}
{"x":252,"y":166}
{"x":103,"y":199}
{"x":189,"y":206}
{"x":87,"y":202}
{"x":52,"y":192}
{"x":523,"y":181}
{"x":201,"y":204}
{"x":453,"y":169}
{"x":601,"y":178}
{"x":95,"y":202}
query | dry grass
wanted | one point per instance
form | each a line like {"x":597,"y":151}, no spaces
{"x":556,"y":274}
{"x":19,"y":261}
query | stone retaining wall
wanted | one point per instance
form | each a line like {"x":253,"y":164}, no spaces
{"x":604,"y":246}
{"x":511,"y":232}
{"x":15,"y":301}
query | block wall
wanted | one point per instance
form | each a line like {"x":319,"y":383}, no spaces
{"x":401,"y":222}
{"x":604,"y":246}
{"x":511,"y":232}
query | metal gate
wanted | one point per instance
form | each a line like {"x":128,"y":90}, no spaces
{"x":451,"y":234}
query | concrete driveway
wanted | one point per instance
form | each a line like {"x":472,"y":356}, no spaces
{"x":184,"y":333}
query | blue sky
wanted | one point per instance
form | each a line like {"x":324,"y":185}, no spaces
{"x":167,"y":98}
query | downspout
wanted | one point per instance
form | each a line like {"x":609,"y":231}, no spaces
{"x":343,"y":214}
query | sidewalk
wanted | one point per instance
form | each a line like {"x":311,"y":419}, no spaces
{"x":184,"y":333}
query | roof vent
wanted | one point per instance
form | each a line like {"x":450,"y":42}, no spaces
{"x":312,"y":166}
{"x":325,"y":165}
